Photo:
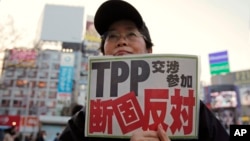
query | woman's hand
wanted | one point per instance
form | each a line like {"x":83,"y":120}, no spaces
{"x":162,"y":134}
{"x":159,"y":135}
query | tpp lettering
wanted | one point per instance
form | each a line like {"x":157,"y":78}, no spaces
{"x":138,"y":71}
{"x":240,"y":132}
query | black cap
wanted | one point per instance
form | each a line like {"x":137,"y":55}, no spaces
{"x":115,"y":10}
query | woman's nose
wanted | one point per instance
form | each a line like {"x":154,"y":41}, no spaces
{"x":122,"y":41}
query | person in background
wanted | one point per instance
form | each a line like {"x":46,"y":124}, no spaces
{"x":124,"y":32}
{"x":57,"y":137}
{"x":41,"y":135}
{"x":10,"y":134}
{"x":29,"y":137}
{"x":18,"y":137}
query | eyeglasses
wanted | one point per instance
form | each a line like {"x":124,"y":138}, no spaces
{"x":114,"y":36}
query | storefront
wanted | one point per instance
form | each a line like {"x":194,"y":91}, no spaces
{"x":224,"y":102}
{"x":241,"y":79}
{"x":25,"y":124}
{"x":6,"y":121}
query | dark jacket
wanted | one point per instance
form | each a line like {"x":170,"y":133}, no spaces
{"x":210,"y":129}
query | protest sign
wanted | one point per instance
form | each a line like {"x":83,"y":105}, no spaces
{"x":138,"y":92}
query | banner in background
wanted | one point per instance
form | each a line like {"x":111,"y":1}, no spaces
{"x":219,"y":63}
{"x":21,"y":58}
{"x":92,"y":39}
{"x":66,"y":74}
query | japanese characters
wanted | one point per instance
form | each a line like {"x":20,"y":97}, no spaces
{"x":140,"y":92}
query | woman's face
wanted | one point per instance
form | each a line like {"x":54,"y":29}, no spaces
{"x":123,"y":38}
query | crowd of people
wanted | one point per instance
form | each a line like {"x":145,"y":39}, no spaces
{"x":12,"y":134}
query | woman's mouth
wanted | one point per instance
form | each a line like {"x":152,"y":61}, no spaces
{"x":121,"y":53}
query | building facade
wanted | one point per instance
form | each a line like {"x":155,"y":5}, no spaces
{"x":29,"y":82}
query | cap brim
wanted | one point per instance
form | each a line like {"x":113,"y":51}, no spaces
{"x":114,"y":10}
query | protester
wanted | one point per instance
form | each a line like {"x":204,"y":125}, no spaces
{"x":124,"y":32}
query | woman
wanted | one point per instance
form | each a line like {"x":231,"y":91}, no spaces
{"x":124,"y":32}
